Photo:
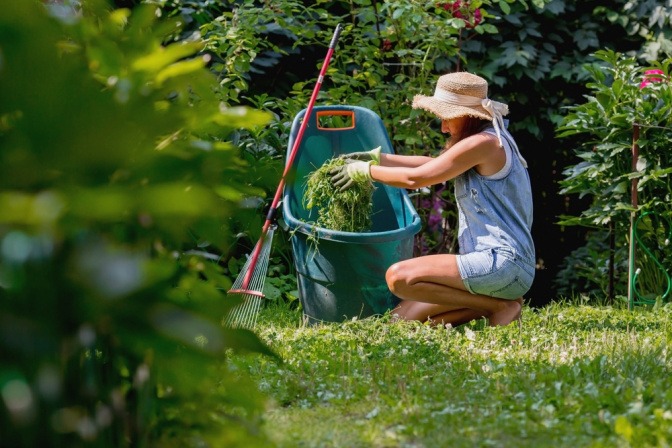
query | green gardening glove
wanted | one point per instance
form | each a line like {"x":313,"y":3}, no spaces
{"x":347,"y":175}
{"x":372,"y":156}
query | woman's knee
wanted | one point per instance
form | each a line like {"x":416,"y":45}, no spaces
{"x":395,"y":276}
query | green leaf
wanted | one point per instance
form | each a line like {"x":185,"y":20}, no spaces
{"x":623,"y":428}
{"x":180,"y":69}
{"x":163,"y":57}
{"x":271,"y":292}
{"x":504,"y":6}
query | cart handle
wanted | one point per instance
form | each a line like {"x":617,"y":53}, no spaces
{"x":324,"y":125}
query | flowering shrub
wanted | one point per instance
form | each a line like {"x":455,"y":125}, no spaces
{"x":623,"y":97}
{"x":465,"y":11}
{"x":628,"y":103}
{"x":649,"y":78}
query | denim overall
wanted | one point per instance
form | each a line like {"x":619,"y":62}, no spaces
{"x":496,"y":252}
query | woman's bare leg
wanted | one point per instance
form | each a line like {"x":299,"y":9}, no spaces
{"x":435,"y":279}
{"x":436,"y":314}
{"x":457,"y":317}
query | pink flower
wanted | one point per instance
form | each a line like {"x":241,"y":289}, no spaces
{"x":648,"y":79}
{"x":461,"y":10}
{"x":478,"y":17}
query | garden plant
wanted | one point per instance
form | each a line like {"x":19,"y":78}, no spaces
{"x":627,"y":110}
{"x":113,"y":164}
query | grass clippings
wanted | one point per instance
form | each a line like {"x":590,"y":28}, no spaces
{"x":348,"y":211}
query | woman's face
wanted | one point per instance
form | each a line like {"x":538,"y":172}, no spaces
{"x":452,"y":126}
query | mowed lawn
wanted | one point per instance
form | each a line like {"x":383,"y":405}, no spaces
{"x":573,"y":376}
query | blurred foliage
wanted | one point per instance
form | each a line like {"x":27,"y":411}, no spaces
{"x":625,"y":105}
{"x":117,"y":188}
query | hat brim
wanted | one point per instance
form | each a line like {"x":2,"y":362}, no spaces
{"x":447,"y":111}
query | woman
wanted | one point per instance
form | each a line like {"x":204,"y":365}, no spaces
{"x":495,"y":264}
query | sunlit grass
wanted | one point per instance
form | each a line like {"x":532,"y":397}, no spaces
{"x":574,"y":376}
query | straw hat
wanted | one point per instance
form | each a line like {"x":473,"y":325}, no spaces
{"x":459,"y":94}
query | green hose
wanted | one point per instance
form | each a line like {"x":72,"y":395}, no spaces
{"x":637,"y":297}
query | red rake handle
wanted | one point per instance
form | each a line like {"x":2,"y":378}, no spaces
{"x":290,"y":159}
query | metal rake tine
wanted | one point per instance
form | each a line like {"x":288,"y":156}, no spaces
{"x":245,"y":313}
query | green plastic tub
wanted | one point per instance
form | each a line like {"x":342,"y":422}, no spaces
{"x":342,"y":275}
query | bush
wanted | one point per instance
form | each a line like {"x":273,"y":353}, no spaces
{"x":626,"y":112}
{"x":116,"y":184}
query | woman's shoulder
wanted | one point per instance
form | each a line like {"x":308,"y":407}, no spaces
{"x":486,"y":152}
{"x":483,"y":139}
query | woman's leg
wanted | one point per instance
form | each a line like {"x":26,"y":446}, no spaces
{"x":435,"y":279}
{"x":435,"y":314}
{"x":457,"y":317}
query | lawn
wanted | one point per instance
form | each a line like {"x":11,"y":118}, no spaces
{"x":573,"y":376}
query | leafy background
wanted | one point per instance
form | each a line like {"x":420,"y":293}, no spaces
{"x":536,"y":55}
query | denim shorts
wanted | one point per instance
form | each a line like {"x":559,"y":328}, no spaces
{"x":499,"y":273}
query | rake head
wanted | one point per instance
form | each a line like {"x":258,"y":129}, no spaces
{"x":250,"y":284}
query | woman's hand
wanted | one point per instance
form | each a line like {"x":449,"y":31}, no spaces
{"x":365,"y":156}
{"x":345,"y":176}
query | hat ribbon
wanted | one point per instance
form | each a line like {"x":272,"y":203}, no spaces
{"x":496,"y":110}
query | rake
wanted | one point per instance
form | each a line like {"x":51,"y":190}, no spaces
{"x":250,"y":281}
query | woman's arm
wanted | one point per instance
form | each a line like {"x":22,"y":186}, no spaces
{"x":403,"y":161}
{"x":481,"y":151}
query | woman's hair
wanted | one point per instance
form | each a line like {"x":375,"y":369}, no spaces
{"x":471,"y":126}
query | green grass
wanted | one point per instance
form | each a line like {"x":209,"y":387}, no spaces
{"x":575,"y":376}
